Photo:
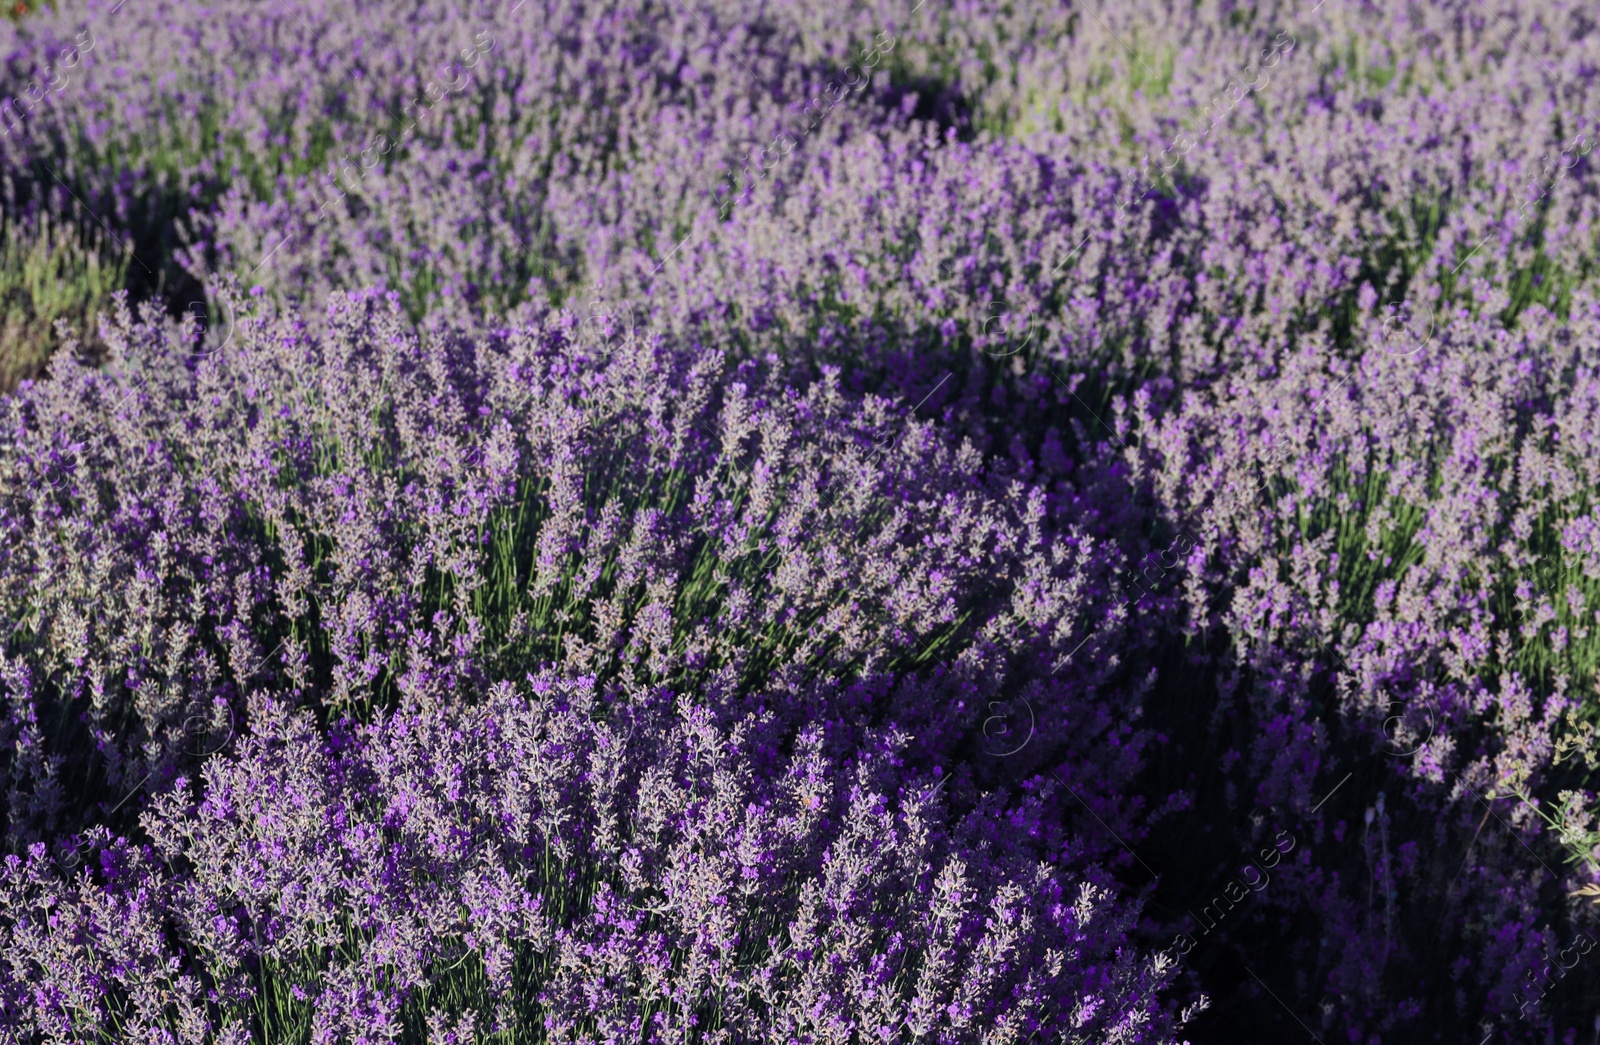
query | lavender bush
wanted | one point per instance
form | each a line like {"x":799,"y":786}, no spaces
{"x":531,"y":867}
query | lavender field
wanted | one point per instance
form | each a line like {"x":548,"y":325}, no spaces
{"x":615,"y":521}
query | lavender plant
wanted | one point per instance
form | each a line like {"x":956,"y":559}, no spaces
{"x":541,"y":867}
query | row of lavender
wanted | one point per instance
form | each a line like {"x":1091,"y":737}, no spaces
{"x":1309,"y":286}
{"x":767,"y":818}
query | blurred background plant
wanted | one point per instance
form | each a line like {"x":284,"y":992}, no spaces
{"x":23,"y":8}
{"x":51,"y":270}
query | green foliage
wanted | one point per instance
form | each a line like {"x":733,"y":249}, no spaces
{"x":21,"y":9}
{"x":50,"y":271}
